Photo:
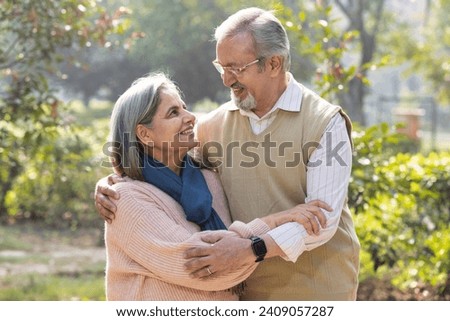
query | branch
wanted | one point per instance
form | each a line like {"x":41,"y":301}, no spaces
{"x":344,"y":10}
{"x":378,"y":14}
{"x":11,"y":47}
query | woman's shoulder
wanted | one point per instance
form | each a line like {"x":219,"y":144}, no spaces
{"x":135,"y":190}
{"x":131,"y":185}
{"x":140,"y":200}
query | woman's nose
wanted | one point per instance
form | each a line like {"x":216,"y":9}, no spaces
{"x":189,"y":117}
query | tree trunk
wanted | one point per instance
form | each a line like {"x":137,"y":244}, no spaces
{"x":352,"y":101}
{"x":14,"y":171}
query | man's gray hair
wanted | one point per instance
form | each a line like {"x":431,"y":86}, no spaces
{"x":269,"y":36}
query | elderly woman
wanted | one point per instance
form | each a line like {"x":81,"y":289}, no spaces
{"x":167,"y":203}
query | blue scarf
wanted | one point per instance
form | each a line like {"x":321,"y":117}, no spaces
{"x":189,"y":189}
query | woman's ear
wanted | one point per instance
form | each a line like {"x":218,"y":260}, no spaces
{"x":144,"y":134}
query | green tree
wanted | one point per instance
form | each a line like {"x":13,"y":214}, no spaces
{"x":327,"y":34}
{"x":427,"y":50}
{"x":35,"y":36}
{"x":175,"y":36}
{"x":366,"y":18}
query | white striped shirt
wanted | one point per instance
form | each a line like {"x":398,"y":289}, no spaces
{"x":326,"y":182}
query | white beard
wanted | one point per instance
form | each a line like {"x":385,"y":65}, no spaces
{"x":247,"y":104}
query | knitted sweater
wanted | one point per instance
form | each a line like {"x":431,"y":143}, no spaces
{"x":146,"y":241}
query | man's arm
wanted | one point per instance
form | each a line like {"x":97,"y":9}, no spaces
{"x":103,"y":192}
{"x":328,"y":175}
{"x":223,"y":255}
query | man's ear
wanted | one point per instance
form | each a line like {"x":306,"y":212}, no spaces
{"x":144,"y":134}
{"x":276,"y":65}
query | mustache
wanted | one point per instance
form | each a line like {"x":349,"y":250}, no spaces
{"x":237,"y":85}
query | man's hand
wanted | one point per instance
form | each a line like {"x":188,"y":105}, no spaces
{"x":103,"y":192}
{"x":221,"y":254}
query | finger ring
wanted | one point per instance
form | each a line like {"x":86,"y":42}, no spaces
{"x":209,"y":271}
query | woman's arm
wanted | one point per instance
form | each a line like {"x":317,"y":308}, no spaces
{"x":153,"y":234}
{"x":228,"y":254}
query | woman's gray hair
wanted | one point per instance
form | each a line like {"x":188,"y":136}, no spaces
{"x":137,"y":105}
{"x":269,"y":36}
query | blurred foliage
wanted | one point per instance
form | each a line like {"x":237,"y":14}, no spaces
{"x":402,"y":209}
{"x":37,"y":141}
{"x":426,"y":49}
{"x":205,"y":105}
{"x":341,"y":39}
{"x":334,"y":45}
{"x":173,"y":36}
{"x":324,"y":43}
{"x":56,"y":184}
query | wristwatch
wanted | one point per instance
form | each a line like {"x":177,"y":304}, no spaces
{"x":259,"y":248}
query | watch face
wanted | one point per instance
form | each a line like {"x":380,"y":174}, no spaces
{"x":259,"y":248}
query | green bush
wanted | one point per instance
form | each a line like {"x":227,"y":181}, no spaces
{"x":58,"y":181}
{"x":204,"y":106}
{"x":402,"y":209}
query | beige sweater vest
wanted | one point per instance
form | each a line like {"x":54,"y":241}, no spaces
{"x":266,"y":173}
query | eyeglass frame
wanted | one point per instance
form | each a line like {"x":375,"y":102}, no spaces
{"x":235,"y":71}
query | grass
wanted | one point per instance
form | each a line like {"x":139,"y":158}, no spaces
{"x":26,"y":259}
{"x":59,"y":287}
{"x":39,"y":264}
{"x":10,"y":239}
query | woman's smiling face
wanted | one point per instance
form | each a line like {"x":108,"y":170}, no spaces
{"x":171,"y":131}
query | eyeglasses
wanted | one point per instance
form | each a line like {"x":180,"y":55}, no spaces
{"x":236,"y":71}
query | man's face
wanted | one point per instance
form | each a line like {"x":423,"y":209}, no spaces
{"x":247,"y":86}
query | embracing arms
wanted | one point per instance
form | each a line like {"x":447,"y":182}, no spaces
{"x":154,"y":234}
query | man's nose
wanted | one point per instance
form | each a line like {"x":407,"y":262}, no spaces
{"x":228,"y":78}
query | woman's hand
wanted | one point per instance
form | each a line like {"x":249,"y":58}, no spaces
{"x":310,"y":215}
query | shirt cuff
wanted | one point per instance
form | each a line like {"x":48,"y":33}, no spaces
{"x":290,"y":237}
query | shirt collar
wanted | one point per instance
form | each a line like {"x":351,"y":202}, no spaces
{"x":290,"y":100}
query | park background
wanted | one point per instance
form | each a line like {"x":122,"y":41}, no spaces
{"x":64,"y":62}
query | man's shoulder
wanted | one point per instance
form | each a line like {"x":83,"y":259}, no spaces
{"x":314,"y":103}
